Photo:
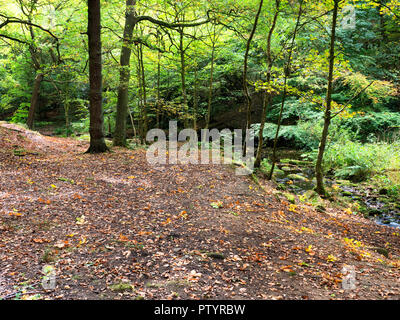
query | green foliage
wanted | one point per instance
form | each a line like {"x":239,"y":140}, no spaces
{"x":357,"y":161}
{"x":374,"y":126}
{"x":375,"y":97}
{"x":21,"y":114}
{"x":304,"y":135}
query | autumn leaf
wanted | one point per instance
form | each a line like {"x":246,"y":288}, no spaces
{"x":331,"y":258}
{"x":123,"y":238}
{"x":216,"y":204}
{"x":287,"y":268}
{"x":80,"y":220}
{"x":292,"y":208}
{"x":166,"y":221}
{"x":40,"y":240}
{"x":348,"y":211}
{"x":183,"y":214}
{"x":309,"y":250}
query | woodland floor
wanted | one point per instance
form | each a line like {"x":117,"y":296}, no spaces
{"x":115,"y":227}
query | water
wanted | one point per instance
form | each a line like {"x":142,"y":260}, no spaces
{"x":370,"y":199}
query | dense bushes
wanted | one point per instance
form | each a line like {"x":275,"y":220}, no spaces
{"x":374,"y":126}
{"x":358,"y":161}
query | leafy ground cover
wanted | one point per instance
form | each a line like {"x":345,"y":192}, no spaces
{"x":114,"y":227}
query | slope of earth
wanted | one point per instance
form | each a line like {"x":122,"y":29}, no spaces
{"x":114,"y":227}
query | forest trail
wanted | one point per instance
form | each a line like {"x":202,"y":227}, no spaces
{"x":114,"y":227}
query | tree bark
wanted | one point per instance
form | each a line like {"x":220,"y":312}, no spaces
{"x":124,"y":76}
{"x":245,"y":66}
{"x":210,"y":90}
{"x":195,"y":98}
{"x":287,"y":74}
{"x":183,"y":78}
{"x":144,"y":91}
{"x":97,"y":142}
{"x":327,"y":116}
{"x":34,"y":100}
{"x":266,"y":97}
{"x":158,"y":90}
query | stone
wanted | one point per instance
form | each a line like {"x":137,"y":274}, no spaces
{"x":382,"y":251}
{"x":374,"y":212}
{"x":121,"y":287}
{"x":294,"y":176}
{"x":312,"y":195}
{"x":383,"y":191}
{"x":290,"y":197}
{"x":215,"y":255}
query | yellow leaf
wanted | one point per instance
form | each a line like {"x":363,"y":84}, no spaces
{"x":331,"y":258}
{"x":348,"y":211}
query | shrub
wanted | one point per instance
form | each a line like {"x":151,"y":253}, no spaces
{"x":373,"y":126}
{"x":357,"y":161}
{"x":304,"y":135}
{"x":21,"y":115}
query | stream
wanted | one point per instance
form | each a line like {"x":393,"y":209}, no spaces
{"x":297,"y":176}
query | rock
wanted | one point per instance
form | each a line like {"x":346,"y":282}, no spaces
{"x":343,"y":182}
{"x":290,"y":197}
{"x":290,"y":169}
{"x":312,"y":195}
{"x":297,"y":162}
{"x":382,"y":251}
{"x":383,"y":191}
{"x":278,"y":172}
{"x":374,"y":212}
{"x":121,"y":287}
{"x":281,"y":186}
{"x":299,"y":177}
{"x":215,"y":255}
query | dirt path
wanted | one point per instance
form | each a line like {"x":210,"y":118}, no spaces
{"x":114,"y":227}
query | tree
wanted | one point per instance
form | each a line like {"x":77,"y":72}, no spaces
{"x":284,"y":95}
{"x":267,"y":96}
{"x":28,"y":9}
{"x":97,"y":142}
{"x":123,"y":88}
{"x":245,"y":65}
{"x":328,"y":103}
{"x":213,"y":34}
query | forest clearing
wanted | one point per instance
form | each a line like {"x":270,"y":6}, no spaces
{"x":199,"y":150}
{"x":115,"y":228}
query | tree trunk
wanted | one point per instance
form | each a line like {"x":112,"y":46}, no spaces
{"x":34,"y":100}
{"x":327,"y":116}
{"x":97,"y":142}
{"x":210,"y":90}
{"x":287,"y":74}
{"x":145,"y":120}
{"x":158,"y":89}
{"x":195,"y":99}
{"x":140,"y":95}
{"x":245,"y":66}
{"x":183,"y":79}
{"x":124,"y":76}
{"x":266,"y":99}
